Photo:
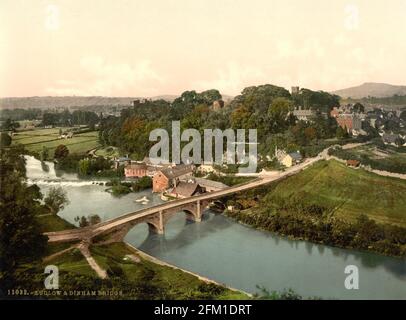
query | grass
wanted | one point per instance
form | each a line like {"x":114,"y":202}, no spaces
{"x":350,"y":191}
{"x":52,"y":222}
{"x":174,"y":281}
{"x":73,"y":262}
{"x":55,"y":247}
{"x":107,"y":152}
{"x":35,"y":140}
{"x":76,"y":274}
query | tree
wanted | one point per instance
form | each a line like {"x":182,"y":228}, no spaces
{"x":21,"y":239}
{"x":403,"y":115}
{"x":399,"y":141}
{"x":310,"y":133}
{"x":89,"y":221}
{"x":84,"y":167}
{"x":209,"y":96}
{"x":278,"y":111}
{"x":61,"y":152}
{"x":56,"y":199}
{"x":358,"y":107}
{"x":83,"y":222}
{"x":94,"y":219}
{"x":44,"y":153}
{"x":10,"y":125}
{"x":341,"y":133}
{"x":5,"y":140}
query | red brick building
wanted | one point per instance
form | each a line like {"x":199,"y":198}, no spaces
{"x":136,"y":170}
{"x":164,"y":179}
{"x":353,"y":163}
{"x":349,"y":122}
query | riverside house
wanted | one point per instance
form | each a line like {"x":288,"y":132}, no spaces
{"x":166,"y":178}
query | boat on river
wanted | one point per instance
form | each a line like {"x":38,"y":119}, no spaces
{"x":143,"y":200}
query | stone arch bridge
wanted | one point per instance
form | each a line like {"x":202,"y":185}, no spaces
{"x":156,"y":217}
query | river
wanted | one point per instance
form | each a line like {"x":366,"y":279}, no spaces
{"x":231,"y":253}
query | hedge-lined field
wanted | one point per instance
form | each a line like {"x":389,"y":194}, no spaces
{"x":35,"y":140}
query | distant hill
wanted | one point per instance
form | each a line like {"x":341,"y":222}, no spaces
{"x":371,"y":89}
{"x":70,"y":101}
{"x":77,"y":101}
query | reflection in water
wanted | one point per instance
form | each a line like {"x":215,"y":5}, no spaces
{"x":228,"y":252}
{"x":185,"y":236}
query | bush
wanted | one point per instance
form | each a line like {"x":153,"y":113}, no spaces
{"x":142,"y":184}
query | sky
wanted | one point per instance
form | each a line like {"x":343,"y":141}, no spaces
{"x":155,"y":47}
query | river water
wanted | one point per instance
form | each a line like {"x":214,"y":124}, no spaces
{"x":231,"y":253}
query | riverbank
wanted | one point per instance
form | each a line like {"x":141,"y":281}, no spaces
{"x":130,"y":274}
{"x":200,"y":277}
{"x":330,"y":204}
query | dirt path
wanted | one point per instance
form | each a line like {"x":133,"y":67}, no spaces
{"x":57,"y":254}
{"x":90,"y":260}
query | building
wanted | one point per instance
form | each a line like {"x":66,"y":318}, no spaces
{"x":288,"y":159}
{"x":66,"y":135}
{"x":206,"y":168}
{"x":135,"y":170}
{"x":280,"y":154}
{"x":295,"y":90}
{"x":391,"y":139}
{"x":372,"y":119}
{"x":349,"y":122}
{"x":121,"y":161}
{"x":353,"y":163}
{"x":304,"y":114}
{"x":186,"y":189}
{"x":292,"y":159}
{"x":334,"y":113}
{"x":217,"y":105}
{"x":168,"y":177}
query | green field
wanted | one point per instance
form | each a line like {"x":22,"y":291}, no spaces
{"x":35,"y":140}
{"x":350,"y":192}
{"x":107,"y":152}
{"x":52,"y":222}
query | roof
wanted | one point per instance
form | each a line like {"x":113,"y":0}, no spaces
{"x":296,"y":155}
{"x":390,"y":138}
{"x":304,"y":112}
{"x":210,"y":183}
{"x":139,"y":166}
{"x":352,"y":162}
{"x":123,"y":159}
{"x":177,"y":171}
{"x":186,"y":189}
{"x":155,"y":161}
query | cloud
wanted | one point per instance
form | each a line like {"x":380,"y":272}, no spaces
{"x":110,"y":79}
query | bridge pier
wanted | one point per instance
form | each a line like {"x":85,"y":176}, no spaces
{"x":198,"y":216}
{"x":161,"y":228}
